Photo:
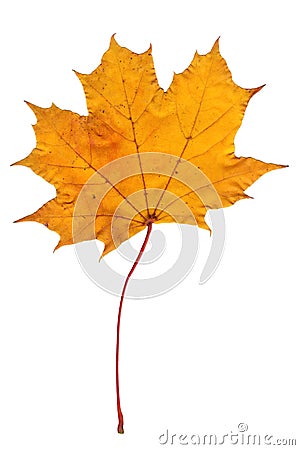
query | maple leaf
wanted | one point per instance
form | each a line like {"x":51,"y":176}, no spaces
{"x":131,"y":117}
{"x":195,"y":120}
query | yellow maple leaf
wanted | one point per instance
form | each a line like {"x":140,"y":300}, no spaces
{"x":142,"y":155}
{"x":196,"y":120}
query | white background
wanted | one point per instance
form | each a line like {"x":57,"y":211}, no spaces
{"x":199,"y":359}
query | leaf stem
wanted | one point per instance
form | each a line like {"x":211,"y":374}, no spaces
{"x":120,"y":414}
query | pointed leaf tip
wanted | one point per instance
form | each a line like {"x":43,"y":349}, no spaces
{"x":113,"y":42}
{"x":216,"y":46}
{"x":36,"y":109}
{"x":254,"y":91}
{"x":29,"y":104}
